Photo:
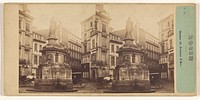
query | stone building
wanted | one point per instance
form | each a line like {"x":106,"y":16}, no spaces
{"x":166,"y":42}
{"x":25,"y":40}
{"x":95,"y":43}
{"x":38,"y":44}
{"x":114,"y":43}
{"x":152,"y":55}
{"x":75,"y":51}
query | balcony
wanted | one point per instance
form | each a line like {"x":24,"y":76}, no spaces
{"x":24,"y":61}
{"x":27,"y":47}
{"x":116,"y":41}
{"x":104,"y":49}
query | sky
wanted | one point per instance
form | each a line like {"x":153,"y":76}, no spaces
{"x":70,"y":15}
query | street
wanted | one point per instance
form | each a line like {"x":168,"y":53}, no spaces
{"x":91,"y":87}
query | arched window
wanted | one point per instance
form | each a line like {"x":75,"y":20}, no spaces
{"x":56,"y":57}
{"x":133,"y":58}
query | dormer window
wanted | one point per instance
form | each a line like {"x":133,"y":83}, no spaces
{"x":103,"y":28}
{"x":27,"y":27}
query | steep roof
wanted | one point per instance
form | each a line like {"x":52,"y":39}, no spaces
{"x":65,"y":32}
{"x":120,"y":33}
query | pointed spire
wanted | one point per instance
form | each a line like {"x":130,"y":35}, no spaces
{"x":129,"y":30}
{"x":52,"y":29}
{"x":99,"y":7}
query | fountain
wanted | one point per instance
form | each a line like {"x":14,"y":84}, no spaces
{"x":54,"y":74}
{"x":132,"y":74}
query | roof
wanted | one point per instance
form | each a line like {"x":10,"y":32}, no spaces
{"x":120,"y":33}
{"x":171,"y":15}
{"x":65,"y":33}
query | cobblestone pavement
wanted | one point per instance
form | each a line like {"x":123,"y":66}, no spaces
{"x":91,"y":87}
{"x":167,"y":88}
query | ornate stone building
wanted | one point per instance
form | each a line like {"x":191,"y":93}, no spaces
{"x":167,"y":39}
{"x":115,"y":43}
{"x":25,"y":40}
{"x":38,"y":44}
{"x":95,"y":43}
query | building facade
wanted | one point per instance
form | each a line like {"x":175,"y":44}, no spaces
{"x":114,"y":43}
{"x":25,"y":41}
{"x":152,"y":55}
{"x":75,"y":51}
{"x":38,"y":44}
{"x":166,"y":42}
{"x":95,"y":43}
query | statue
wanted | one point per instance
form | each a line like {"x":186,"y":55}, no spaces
{"x":52,"y":27}
{"x":129,"y":29}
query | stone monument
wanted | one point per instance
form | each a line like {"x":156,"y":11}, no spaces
{"x":55,"y":73}
{"x":132,"y":74}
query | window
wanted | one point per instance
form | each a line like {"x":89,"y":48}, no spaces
{"x":112,"y":61}
{"x":146,"y":75}
{"x":70,"y":46}
{"x":171,"y":44}
{"x":133,"y":58}
{"x":103,"y":28}
{"x":20,"y":24}
{"x":90,"y":24}
{"x":95,"y":24}
{"x":117,"y":48}
{"x":171,"y":58}
{"x":93,"y":57}
{"x":88,"y":48}
{"x":35,"y":47}
{"x":56,"y":57}
{"x":166,"y":46}
{"x":40,"y":60}
{"x":162,"y":36}
{"x":40,"y":47}
{"x":71,"y":54}
{"x":85,"y":48}
{"x":162,"y":48}
{"x":163,"y":75}
{"x":27,"y":27}
{"x":84,"y":27}
{"x":85,"y":75}
{"x":104,"y":41}
{"x":168,"y":24}
{"x":112,"y":48}
{"x":93,"y":44}
{"x":85,"y":36}
{"x":91,"y":33}
{"x":35,"y":59}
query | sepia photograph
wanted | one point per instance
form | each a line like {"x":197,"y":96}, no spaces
{"x":100,"y":48}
